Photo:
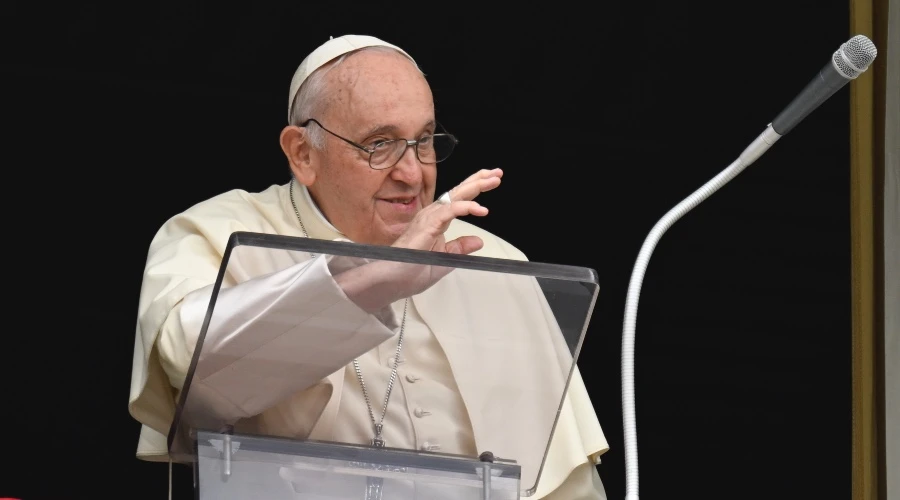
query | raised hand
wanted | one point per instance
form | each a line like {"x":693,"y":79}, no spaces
{"x":426,"y":231}
{"x":378,"y":284}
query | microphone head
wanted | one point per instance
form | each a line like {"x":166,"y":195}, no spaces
{"x":854,"y":56}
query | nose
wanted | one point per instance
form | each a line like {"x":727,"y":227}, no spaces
{"x":408,"y":170}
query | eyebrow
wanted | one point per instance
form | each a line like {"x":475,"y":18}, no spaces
{"x":382,"y":129}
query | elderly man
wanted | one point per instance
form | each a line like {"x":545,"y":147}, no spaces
{"x":362,"y":144}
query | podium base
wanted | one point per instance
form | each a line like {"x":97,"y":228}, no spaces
{"x":235,"y":466}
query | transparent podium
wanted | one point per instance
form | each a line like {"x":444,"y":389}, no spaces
{"x":301,"y":341}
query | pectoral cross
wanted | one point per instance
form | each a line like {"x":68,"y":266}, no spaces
{"x":378,"y":440}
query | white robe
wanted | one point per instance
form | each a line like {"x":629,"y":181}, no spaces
{"x":183,"y":263}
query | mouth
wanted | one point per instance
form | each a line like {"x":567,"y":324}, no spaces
{"x":399,"y":201}
{"x":401,"y":204}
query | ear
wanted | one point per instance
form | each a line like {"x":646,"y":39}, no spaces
{"x":296,"y":147}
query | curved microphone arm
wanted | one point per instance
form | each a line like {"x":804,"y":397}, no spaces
{"x":847,"y":63}
{"x":753,"y":151}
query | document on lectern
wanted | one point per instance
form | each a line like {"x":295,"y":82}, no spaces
{"x":332,"y":370}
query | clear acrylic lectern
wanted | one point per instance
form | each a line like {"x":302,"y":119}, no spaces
{"x":268,"y":409}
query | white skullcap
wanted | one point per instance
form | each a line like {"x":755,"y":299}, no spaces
{"x":329,"y":50}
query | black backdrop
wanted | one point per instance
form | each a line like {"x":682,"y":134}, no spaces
{"x":603,"y":117}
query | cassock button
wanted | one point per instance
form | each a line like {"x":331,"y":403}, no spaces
{"x":390,"y":361}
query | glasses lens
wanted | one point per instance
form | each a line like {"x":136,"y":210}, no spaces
{"x":435,"y":148}
{"x":386,"y":154}
{"x":430,"y":149}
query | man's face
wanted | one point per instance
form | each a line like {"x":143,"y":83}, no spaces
{"x":374,"y":96}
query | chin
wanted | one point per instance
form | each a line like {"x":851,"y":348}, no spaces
{"x":390,"y":235}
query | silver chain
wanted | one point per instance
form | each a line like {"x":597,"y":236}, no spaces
{"x":377,"y":426}
{"x":299,"y":219}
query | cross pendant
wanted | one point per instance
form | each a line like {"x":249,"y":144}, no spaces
{"x":378,"y":441}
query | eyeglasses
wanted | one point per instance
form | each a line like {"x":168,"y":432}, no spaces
{"x":433,"y":148}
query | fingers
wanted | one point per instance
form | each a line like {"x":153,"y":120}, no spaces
{"x":430,"y":224}
{"x":484,"y":173}
{"x":469,"y":190}
{"x":477,"y":183}
{"x":446,"y":213}
{"x":464,"y":245}
{"x":462,"y":208}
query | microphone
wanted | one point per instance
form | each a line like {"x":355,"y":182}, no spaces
{"x":847,"y":63}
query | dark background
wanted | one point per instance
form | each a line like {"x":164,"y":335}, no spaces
{"x":603,"y":117}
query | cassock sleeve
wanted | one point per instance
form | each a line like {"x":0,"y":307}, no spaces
{"x":268,"y":338}
{"x":270,"y":335}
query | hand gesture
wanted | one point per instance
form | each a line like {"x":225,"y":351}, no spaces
{"x":378,"y":284}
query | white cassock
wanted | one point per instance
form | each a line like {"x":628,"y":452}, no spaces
{"x":440,"y":401}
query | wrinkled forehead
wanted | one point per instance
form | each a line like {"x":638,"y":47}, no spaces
{"x":379,"y":88}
